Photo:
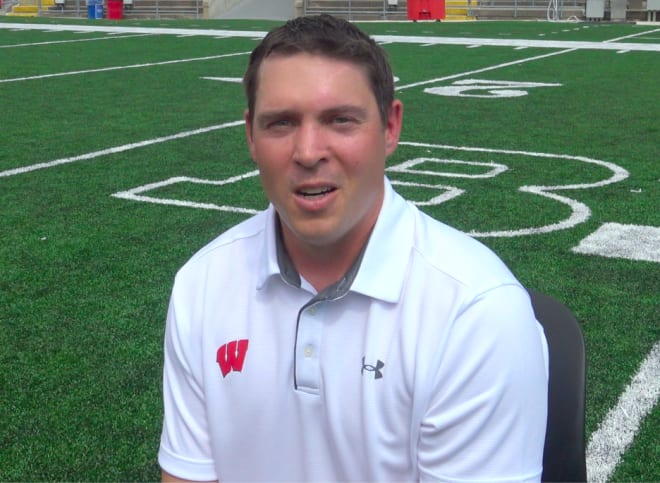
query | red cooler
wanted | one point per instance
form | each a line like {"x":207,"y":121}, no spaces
{"x":426,"y":10}
{"x":115,"y":9}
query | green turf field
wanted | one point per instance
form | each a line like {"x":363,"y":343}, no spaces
{"x":122,"y":153}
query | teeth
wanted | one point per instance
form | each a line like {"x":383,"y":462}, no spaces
{"x":315,"y":192}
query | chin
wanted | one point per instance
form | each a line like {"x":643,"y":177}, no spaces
{"x":317,"y":239}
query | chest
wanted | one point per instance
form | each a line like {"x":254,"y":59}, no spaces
{"x":344,"y":378}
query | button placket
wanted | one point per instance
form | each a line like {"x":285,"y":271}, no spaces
{"x":310,"y":331}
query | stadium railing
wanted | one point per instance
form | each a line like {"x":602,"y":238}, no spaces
{"x":527,"y":9}
{"x":133,"y":9}
{"x":357,"y":9}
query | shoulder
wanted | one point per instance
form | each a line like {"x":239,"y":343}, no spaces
{"x":424,"y":255}
{"x":234,"y":246}
{"x":457,"y":255}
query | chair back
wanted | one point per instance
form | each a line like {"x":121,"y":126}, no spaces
{"x":564,"y":451}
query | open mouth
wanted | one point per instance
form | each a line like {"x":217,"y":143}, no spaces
{"x":315,"y":192}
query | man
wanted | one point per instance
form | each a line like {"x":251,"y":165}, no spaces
{"x":342,"y":334}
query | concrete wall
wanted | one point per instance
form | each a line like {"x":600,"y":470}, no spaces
{"x":252,"y":9}
{"x":217,"y":7}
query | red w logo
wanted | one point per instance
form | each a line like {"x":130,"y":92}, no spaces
{"x":231,"y":356}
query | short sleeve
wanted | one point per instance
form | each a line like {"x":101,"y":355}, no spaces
{"x":185,"y":450}
{"x":487,"y":412}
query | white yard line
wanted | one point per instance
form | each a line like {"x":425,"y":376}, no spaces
{"x":54,"y":42}
{"x":484,"y":69}
{"x":117,"y":149}
{"x":617,"y":431}
{"x":638,"y":34}
{"x":120,"y":67}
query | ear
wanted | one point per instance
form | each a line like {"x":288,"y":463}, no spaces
{"x":393,"y":126}
{"x":248,"y":132}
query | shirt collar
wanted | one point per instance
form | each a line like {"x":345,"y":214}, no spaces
{"x":269,"y":264}
{"x":385,"y":262}
{"x":378,"y":271}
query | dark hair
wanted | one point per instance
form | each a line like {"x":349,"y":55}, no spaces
{"x":328,"y":36}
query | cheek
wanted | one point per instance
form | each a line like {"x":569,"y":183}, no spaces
{"x":268,"y":184}
{"x":272,"y":175}
{"x":359,"y":152}
{"x":267,"y":173}
{"x":268,"y":156}
{"x":270,"y":152}
{"x":366,"y":160}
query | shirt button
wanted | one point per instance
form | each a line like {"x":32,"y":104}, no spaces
{"x":309,"y":351}
{"x":312,"y":310}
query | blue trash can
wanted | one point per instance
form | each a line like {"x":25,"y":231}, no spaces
{"x":94,"y":8}
{"x":99,"y":9}
{"x":91,"y":8}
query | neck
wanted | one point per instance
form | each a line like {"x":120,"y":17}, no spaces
{"x":322,"y":266}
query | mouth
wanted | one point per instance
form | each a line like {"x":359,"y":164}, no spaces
{"x":316,"y":192}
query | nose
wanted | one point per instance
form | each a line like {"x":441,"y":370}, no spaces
{"x":310,"y":145}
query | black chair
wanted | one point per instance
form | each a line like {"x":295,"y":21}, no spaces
{"x":564,"y":451}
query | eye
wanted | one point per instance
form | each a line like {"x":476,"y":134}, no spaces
{"x":280,"y":123}
{"x":345,"y":118}
{"x":280,"y":126}
{"x":342,"y":119}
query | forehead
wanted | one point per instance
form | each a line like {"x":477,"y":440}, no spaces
{"x":283,"y":73}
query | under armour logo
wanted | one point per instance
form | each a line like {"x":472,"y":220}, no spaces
{"x":231,"y":356}
{"x":375,"y":369}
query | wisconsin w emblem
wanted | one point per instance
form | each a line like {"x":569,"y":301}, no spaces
{"x":231,"y":356}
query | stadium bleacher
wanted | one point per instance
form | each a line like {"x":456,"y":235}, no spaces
{"x":355,"y":10}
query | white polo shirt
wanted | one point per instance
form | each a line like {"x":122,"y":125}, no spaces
{"x":424,"y":363}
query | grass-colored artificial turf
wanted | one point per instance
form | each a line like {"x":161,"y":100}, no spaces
{"x":85,"y":276}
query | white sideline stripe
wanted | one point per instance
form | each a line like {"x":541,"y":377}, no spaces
{"x":479,"y":71}
{"x":120,"y":67}
{"x":546,"y":44}
{"x":118,"y":149}
{"x":617,"y":431}
{"x":543,"y":44}
{"x":71,"y":41}
{"x":135,"y":30}
{"x":509,"y":64}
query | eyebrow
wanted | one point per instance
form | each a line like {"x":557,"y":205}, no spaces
{"x":265,"y":118}
{"x":349,"y":109}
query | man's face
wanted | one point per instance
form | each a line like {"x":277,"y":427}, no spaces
{"x":320,"y":145}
